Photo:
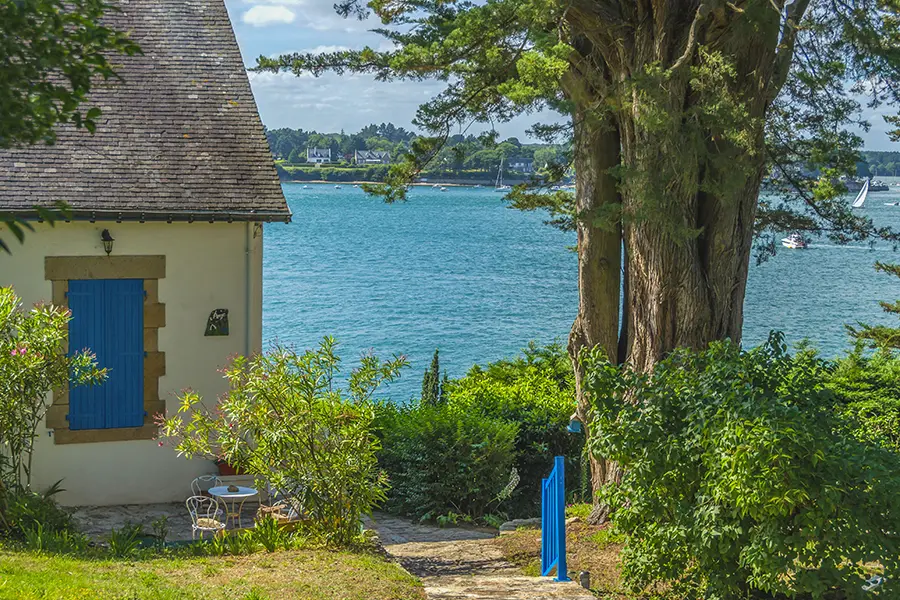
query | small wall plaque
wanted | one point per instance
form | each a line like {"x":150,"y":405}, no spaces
{"x":217,"y":324}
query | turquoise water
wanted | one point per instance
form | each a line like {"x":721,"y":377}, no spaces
{"x":460,"y":271}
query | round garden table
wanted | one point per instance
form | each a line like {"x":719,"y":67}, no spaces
{"x":234,"y":501}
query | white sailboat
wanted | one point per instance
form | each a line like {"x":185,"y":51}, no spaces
{"x":499,"y":187}
{"x":861,"y":197}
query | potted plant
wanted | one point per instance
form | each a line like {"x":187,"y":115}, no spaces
{"x":226,"y":469}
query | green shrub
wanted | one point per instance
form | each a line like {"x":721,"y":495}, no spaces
{"x":33,"y":361}
{"x":455,"y":455}
{"x":43,"y":540}
{"x":740,"y":478}
{"x":284,"y":420}
{"x":125,"y":541}
{"x":442,"y":460}
{"x":26,"y":511}
{"x":269,"y":535}
{"x":868,"y":393}
{"x":536,"y":392}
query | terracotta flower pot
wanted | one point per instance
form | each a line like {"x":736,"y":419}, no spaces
{"x":226,"y":469}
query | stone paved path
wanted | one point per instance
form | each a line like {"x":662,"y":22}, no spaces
{"x":457,"y":564}
{"x":98,"y":521}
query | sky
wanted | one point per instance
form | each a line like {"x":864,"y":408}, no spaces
{"x":332,"y":103}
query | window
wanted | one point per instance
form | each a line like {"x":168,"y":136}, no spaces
{"x":108,"y":318}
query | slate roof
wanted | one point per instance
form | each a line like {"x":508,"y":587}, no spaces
{"x":180,"y":138}
{"x":373,"y":155}
{"x":318,"y":153}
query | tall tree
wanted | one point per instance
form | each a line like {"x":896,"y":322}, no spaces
{"x":432,"y":392}
{"x":677,"y":110}
{"x":51,"y":53}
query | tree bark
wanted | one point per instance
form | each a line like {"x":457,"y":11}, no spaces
{"x":687,"y":193}
{"x":599,"y":263}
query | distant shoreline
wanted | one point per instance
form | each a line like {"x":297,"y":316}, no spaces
{"x":418,"y":184}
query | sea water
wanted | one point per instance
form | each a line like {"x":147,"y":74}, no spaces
{"x":461,"y":271}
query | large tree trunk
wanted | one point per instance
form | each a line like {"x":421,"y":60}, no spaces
{"x":687,"y":185}
{"x":599,"y":262}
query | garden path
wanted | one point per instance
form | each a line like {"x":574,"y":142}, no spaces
{"x":457,"y":564}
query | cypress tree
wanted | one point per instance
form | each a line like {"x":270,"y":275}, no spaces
{"x":431,"y":384}
{"x":445,"y":388}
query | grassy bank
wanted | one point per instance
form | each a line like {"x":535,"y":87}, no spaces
{"x":313,"y":574}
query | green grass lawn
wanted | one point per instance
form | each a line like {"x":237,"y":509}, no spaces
{"x":313,"y":574}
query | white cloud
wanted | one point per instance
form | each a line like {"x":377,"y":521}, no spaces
{"x":264,"y":14}
{"x":325,"y":49}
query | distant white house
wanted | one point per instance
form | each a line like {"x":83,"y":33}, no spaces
{"x":522,"y":165}
{"x":371,"y":157}
{"x":318,"y":155}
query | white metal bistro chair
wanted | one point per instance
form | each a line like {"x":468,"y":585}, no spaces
{"x":200,"y":485}
{"x":286,"y":505}
{"x":204,"y":511}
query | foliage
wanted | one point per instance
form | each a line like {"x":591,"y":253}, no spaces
{"x":811,"y":60}
{"x":443,"y":460}
{"x":54,"y":52}
{"x":740,"y":479}
{"x":432,"y":390}
{"x":867,"y":387}
{"x":879,"y":163}
{"x":536,"y":392}
{"x":269,"y":535}
{"x":881,"y":336}
{"x":123,"y":542}
{"x":44,"y":540}
{"x":462,"y":155}
{"x":46,"y":81}
{"x":33,"y":361}
{"x":675,"y":112}
{"x":25,"y":510}
{"x":283,"y":420}
{"x":160,"y":528}
{"x":457,"y":456}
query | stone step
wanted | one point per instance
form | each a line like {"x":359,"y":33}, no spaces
{"x":495,"y":587}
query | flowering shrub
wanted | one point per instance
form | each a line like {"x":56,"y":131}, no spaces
{"x":33,"y":361}
{"x":285,"y":421}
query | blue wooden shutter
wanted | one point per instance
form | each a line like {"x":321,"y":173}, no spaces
{"x":108,"y":318}
{"x":124,"y":303}
{"x":86,"y":330}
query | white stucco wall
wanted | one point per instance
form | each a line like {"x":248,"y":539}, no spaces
{"x":206,"y":268}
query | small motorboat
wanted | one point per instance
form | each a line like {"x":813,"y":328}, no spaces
{"x":356,"y":186}
{"x":337,"y":187}
{"x":892,"y":203}
{"x":795,"y":241}
{"x":305,"y":187}
{"x":443,"y":189}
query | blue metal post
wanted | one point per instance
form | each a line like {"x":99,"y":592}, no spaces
{"x":553,"y":521}
{"x":562,"y":573}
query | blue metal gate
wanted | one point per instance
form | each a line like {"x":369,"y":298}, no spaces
{"x":553,"y":521}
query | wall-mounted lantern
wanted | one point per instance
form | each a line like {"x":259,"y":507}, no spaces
{"x":574,"y":424}
{"x":107,"y":240}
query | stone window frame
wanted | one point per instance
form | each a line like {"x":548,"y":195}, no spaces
{"x":151,"y":268}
